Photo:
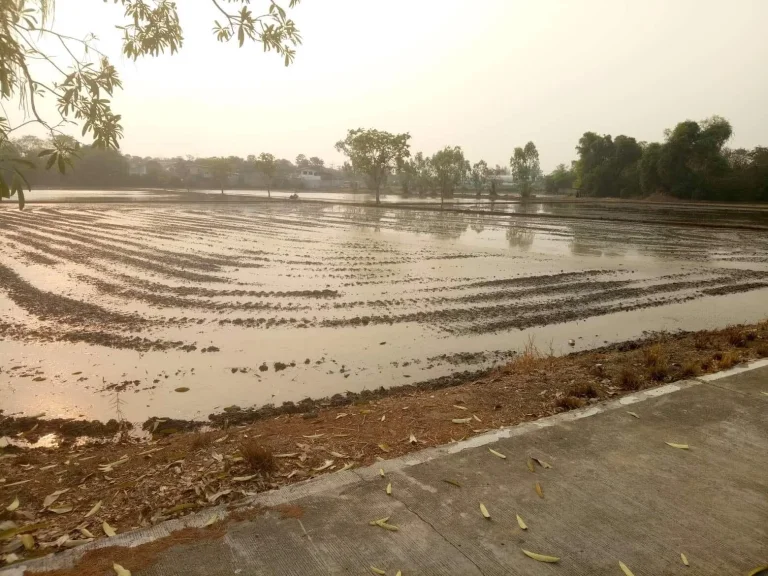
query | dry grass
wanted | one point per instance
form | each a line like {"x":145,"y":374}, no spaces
{"x":569,"y":403}
{"x":655,"y":358}
{"x":690,"y":368}
{"x":584,"y":390}
{"x":729,"y":359}
{"x":762,"y":350}
{"x":702,"y":341}
{"x":258,"y":457}
{"x":628,"y":379}
{"x":201,"y":440}
{"x":653,"y":354}
{"x":735,"y":336}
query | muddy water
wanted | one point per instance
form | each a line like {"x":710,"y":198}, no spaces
{"x":107,"y":307}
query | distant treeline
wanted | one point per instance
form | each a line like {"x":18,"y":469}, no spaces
{"x":691,"y":163}
{"x":104,"y":168}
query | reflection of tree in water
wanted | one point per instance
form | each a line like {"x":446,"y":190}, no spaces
{"x":593,"y":239}
{"x":362,"y":215}
{"x":439,"y":224}
{"x":478,"y":224}
{"x":519,"y":237}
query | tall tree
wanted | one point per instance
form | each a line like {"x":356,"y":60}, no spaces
{"x":375,"y":154}
{"x":267,"y":165}
{"x":450,"y":168}
{"x":83,"y":86}
{"x":220,"y":169}
{"x":301,"y":161}
{"x":316,"y":162}
{"x":479,"y":176}
{"x":525,"y":168}
{"x":407,"y":174}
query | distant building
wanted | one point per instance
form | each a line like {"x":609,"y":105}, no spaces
{"x":311,"y":177}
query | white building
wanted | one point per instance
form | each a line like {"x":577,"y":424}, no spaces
{"x":311,"y":177}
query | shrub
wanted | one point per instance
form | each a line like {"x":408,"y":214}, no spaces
{"x":201,"y":440}
{"x":729,"y":359}
{"x":584,"y":390}
{"x":691,"y":368}
{"x":569,"y":403}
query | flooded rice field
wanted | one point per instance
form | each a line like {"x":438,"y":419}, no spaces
{"x":180,"y":310}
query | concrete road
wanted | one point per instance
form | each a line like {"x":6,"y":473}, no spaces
{"x":615,"y":492}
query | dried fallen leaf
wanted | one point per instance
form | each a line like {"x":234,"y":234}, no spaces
{"x":383,"y":417}
{"x":461,"y":420}
{"x":61,"y":510}
{"x":684,"y":559}
{"x":452,"y":483}
{"x":327,"y":464}
{"x":182,"y":389}
{"x":93,"y":510}
{"x":337,"y":454}
{"x":499,"y":454}
{"x":212,"y":520}
{"x":384,"y":447}
{"x":213,"y":497}
{"x":314,"y":436}
{"x":389,"y":489}
{"x":120,"y":571}
{"x":51,"y":498}
{"x":759,"y":571}
{"x":85,"y":532}
{"x":346,"y":466}
{"x":375,"y":522}
{"x":399,"y":573}
{"x":111,"y":465}
{"x":244,"y":478}
{"x":540,"y":490}
{"x":541,"y":463}
{"x":291,"y":455}
{"x":377,"y":570}
{"x":476,"y":418}
{"x":381,"y":472}
{"x":541,"y":557}
{"x":680,"y":446}
{"x":108,"y":530}
{"x":624,"y":569}
{"x":459,"y":407}
{"x":521,"y":523}
{"x":634,"y":414}
{"x":412,"y":439}
{"x":385,"y":525}
{"x":28,"y":541}
{"x":484,"y":511}
{"x":530,"y":465}
{"x":11,"y":558}
{"x":13,"y":505}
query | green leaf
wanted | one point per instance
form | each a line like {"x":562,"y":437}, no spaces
{"x":51,"y":160}
{"x":62,"y":168}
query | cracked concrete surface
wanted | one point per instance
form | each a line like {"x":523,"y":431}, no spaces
{"x":615,"y":492}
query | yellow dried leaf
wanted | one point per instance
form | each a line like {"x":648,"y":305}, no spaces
{"x":377,"y":570}
{"x":758,"y":571}
{"x":499,"y":454}
{"x":541,"y":557}
{"x":461,"y":420}
{"x":13,"y":505}
{"x":51,"y":498}
{"x":386,"y":526}
{"x":28,"y":541}
{"x":399,"y":573}
{"x":389,"y":489}
{"x":453,"y":483}
{"x":680,"y":446}
{"x":384,"y":447}
{"x":476,"y":418}
{"x":375,"y":522}
{"x":212,"y":520}
{"x":93,"y":510}
{"x":61,"y":510}
{"x":327,"y":464}
{"x":539,"y":490}
{"x":633,"y":414}
{"x":412,"y":439}
{"x":381,"y":472}
{"x":85,"y":532}
{"x":108,"y":530}
{"x":365,"y":411}
{"x":684,"y":559}
{"x":484,"y":511}
{"x":244,"y":478}
{"x":120,"y":571}
{"x":521,"y":523}
{"x":383,"y":417}
{"x":459,"y":407}
{"x":624,"y":569}
{"x":530,"y":465}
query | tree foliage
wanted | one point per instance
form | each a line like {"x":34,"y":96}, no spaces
{"x":561,"y":178}
{"x":525,"y":167}
{"x":86,"y":84}
{"x":267,"y":165}
{"x":479,"y":176}
{"x":450,"y":169}
{"x":375,"y":154}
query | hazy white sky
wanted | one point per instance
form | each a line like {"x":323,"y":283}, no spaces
{"x":487,"y":75}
